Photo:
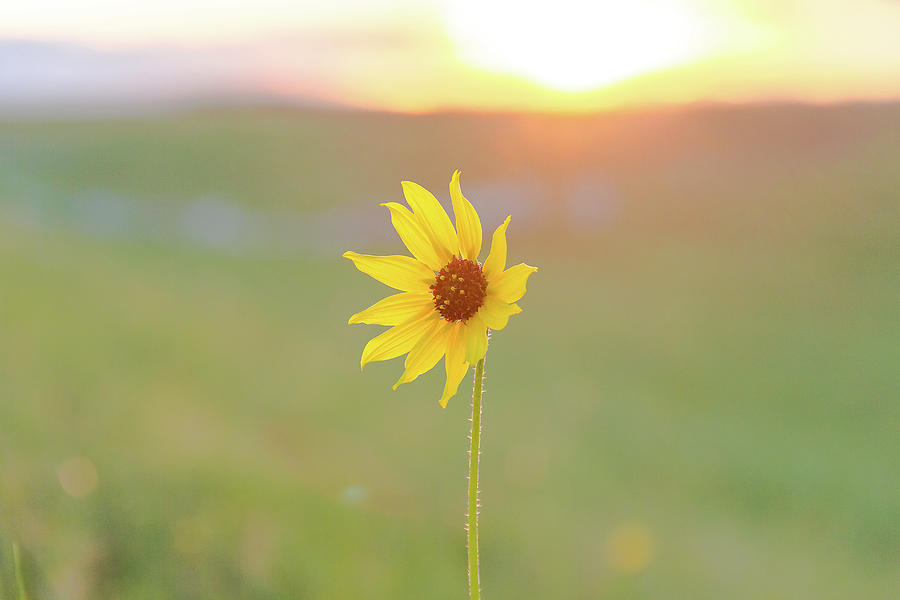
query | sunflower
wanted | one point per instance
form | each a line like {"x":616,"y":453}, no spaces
{"x":448,"y":300}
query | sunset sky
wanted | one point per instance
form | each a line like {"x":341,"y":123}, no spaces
{"x":436,"y":54}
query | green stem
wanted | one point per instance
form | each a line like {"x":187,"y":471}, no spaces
{"x":474,"y":454}
{"x":21,"y":593}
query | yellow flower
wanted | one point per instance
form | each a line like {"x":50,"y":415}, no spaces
{"x":448,"y":299}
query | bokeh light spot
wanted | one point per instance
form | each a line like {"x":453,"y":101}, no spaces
{"x":630,"y":548}
{"x":354,"y":495}
{"x":78,"y":476}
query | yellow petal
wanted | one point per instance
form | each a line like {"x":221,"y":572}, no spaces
{"x":410,"y":231}
{"x":401,"y":272}
{"x":496,"y":260}
{"x":509,"y":286}
{"x":434,"y":220}
{"x":496,"y":313}
{"x":427,"y":351}
{"x":397,"y":340}
{"x":395,"y":309}
{"x":454,"y":363}
{"x":468,"y":225}
{"x":476,"y":339}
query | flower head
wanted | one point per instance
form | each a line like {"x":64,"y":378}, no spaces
{"x":447,"y":300}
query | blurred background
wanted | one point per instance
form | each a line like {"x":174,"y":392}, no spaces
{"x":700,"y":399}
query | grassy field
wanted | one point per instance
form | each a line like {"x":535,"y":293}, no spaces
{"x":700,"y":400}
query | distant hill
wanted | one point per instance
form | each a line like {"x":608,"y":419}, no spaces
{"x":67,"y":78}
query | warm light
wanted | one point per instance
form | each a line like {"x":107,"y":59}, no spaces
{"x":577,"y":45}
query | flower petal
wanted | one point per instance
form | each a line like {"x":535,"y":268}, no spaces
{"x":434,"y":220}
{"x":395,"y":309}
{"x":496,"y":260}
{"x":397,"y":340}
{"x":401,"y":272}
{"x":468,"y":225}
{"x":410,"y":231}
{"x":425,"y":354}
{"x":454,"y":363}
{"x":496,"y":313}
{"x":475,"y":333}
{"x":509,"y":286}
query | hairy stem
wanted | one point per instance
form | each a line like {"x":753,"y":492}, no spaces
{"x":474,"y":455}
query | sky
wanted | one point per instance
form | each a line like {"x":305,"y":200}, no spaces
{"x":450,"y":54}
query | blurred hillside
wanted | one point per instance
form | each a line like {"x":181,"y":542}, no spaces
{"x":699,"y":400}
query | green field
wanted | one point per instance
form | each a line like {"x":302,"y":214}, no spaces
{"x":711,"y":362}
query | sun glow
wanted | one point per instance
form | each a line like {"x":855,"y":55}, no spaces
{"x":574,"y":45}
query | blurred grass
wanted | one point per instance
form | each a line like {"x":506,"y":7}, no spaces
{"x":717,"y":367}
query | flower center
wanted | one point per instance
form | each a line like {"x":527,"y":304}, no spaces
{"x":459,"y":289}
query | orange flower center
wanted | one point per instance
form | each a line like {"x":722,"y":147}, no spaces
{"x":459,"y":289}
